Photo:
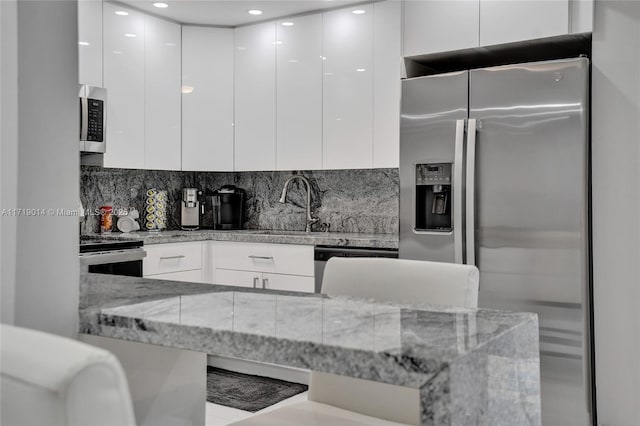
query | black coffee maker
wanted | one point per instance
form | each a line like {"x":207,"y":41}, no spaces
{"x":223,"y":208}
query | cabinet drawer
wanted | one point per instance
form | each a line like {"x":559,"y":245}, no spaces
{"x":288,"y":282}
{"x":238,"y":278}
{"x":194,"y":276}
{"x":275,"y":258}
{"x":163,"y":258}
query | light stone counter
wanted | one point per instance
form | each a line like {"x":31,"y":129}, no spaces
{"x":471,"y":366}
{"x":345,"y":239}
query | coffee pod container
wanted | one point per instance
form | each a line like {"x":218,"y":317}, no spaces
{"x":155,"y":210}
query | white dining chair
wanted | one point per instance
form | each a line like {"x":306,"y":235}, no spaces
{"x":51,"y":380}
{"x":344,"y":401}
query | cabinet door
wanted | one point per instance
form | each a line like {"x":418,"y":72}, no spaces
{"x":194,"y":276}
{"x":581,"y":16}
{"x":263,"y":257}
{"x":255,"y":97}
{"x":288,"y":282}
{"x":172,"y":257}
{"x":440,"y":25}
{"x":348,"y":88}
{"x":238,"y":278}
{"x":207,"y":99}
{"x":162,"y":94}
{"x":124,"y":81}
{"x":299,"y":93}
{"x":387,"y":34}
{"x":90,"y":42}
{"x":504,"y":21}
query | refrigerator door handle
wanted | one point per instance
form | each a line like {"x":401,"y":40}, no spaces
{"x":457,"y":191}
{"x":471,"y":191}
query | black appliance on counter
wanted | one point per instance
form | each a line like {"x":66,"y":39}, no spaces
{"x":223,"y":209}
{"x":112,"y":257}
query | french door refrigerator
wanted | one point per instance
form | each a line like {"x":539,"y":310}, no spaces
{"x":494,"y":171}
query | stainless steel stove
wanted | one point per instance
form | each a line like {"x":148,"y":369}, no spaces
{"x":111,"y":256}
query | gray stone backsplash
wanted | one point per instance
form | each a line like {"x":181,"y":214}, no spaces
{"x":364,"y":201}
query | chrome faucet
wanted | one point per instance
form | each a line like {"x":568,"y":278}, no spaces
{"x":283,"y":199}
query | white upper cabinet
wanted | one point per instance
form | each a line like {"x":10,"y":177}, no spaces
{"x":503,"y":21}
{"x":581,"y":16}
{"x":255,"y":97}
{"x":348,"y":88}
{"x":90,"y":42}
{"x":299,"y":93}
{"x":387,"y":45}
{"x":124,"y":80}
{"x":162,"y":94}
{"x":440,"y":25}
{"x":207,"y":99}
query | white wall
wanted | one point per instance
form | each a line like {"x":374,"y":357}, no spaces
{"x":616,"y":210}
{"x":8,"y":155}
{"x":46,"y":284}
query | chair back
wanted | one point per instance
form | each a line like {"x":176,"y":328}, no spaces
{"x":403,"y":281}
{"x":51,"y":380}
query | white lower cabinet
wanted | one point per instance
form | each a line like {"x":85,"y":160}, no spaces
{"x":286,"y":267}
{"x":258,"y":265}
{"x":288,"y":282}
{"x":252,"y":279}
{"x":237,"y":278}
{"x":172,"y":258}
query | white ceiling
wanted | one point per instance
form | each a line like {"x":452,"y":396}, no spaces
{"x":233,"y":12}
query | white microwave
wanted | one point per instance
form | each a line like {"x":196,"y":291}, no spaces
{"x":93,"y":119}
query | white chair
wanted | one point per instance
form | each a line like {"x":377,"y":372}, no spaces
{"x":402,"y":281}
{"x":51,"y":380}
{"x":338,"y":400}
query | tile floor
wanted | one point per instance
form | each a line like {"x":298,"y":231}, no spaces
{"x":219,"y":415}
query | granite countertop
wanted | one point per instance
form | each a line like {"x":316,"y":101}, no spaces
{"x":389,"y":241}
{"x":441,"y":351}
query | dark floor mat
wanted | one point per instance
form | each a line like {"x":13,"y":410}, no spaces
{"x":247,"y":392}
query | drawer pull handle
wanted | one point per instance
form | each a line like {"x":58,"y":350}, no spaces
{"x":255,"y":282}
{"x":261,"y":257}
{"x":172,"y":257}
{"x":265,"y":283}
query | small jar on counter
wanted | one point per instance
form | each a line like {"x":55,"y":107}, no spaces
{"x":106,"y":219}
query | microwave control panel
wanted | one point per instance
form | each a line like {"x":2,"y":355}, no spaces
{"x":95,"y":114}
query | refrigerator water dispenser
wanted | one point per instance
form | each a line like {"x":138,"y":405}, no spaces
{"x":433,"y":197}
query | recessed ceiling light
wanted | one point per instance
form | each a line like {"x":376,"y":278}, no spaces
{"x":117,"y":52}
{"x":130,"y":35}
{"x":358,"y":11}
{"x":293,"y":61}
{"x":288,"y":24}
{"x":187,"y":89}
{"x":170,"y":44}
{"x":360,"y":70}
{"x":84,"y":43}
{"x":277,"y":42}
{"x":255,"y":12}
{"x":121,"y":13}
{"x":324,"y":58}
{"x":161,"y":5}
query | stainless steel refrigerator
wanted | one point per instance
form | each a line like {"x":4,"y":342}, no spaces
{"x":494,"y":171}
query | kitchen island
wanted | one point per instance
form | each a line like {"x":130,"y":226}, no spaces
{"x":470,"y":366}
